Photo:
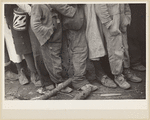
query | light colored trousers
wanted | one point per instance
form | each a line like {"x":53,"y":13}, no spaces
{"x":117,"y":48}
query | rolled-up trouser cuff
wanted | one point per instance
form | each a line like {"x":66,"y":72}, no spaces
{"x":78,"y":83}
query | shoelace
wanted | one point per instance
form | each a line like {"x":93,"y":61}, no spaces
{"x":122,"y":78}
{"x":106,"y":80}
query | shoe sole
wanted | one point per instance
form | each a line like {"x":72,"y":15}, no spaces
{"x":109,"y":86}
{"x":138,"y":70}
{"x":134,"y":81}
{"x":123,"y":87}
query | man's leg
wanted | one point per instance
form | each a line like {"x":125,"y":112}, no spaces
{"x":116,"y":56}
{"x":38,"y":60}
{"x":102,"y":76}
{"x":52,"y":60}
{"x":137,"y":37}
{"x":79,"y":51}
{"x":128,"y":74}
{"x":8,"y":73}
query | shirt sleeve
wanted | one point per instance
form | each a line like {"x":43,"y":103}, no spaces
{"x":64,"y":9}
{"x":102,"y":13}
{"x":39,"y":29}
{"x":128,"y":12}
{"x":25,"y":7}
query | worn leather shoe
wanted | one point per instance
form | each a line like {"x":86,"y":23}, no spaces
{"x":130,"y":76}
{"x":35,"y":78}
{"x":121,"y":81}
{"x":11,"y":76}
{"x":140,"y":68}
{"x":22,"y":78}
{"x":106,"y":81}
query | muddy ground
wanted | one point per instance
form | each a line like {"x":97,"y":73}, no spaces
{"x":15,"y":91}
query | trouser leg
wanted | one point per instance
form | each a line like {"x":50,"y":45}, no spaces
{"x":126,"y":52}
{"x":52,"y":60}
{"x":115,"y":51}
{"x":30,"y":62}
{"x":79,"y":51}
{"x":38,"y":59}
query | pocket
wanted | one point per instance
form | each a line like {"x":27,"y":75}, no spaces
{"x":124,"y":20}
{"x":76,"y":22}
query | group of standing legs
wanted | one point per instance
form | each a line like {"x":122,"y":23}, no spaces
{"x":41,"y":44}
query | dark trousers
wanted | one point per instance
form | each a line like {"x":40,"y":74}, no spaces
{"x":38,"y":59}
{"x":137,"y":34}
{"x":47,"y":57}
{"x":52,"y":60}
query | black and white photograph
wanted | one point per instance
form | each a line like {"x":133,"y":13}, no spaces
{"x":75,"y":51}
{"x":57,"y":55}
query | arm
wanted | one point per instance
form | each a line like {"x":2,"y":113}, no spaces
{"x":128,"y":12}
{"x":25,"y":7}
{"x":37,"y":26}
{"x":64,"y":9}
{"x":103,"y":14}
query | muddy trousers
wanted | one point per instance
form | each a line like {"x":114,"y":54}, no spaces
{"x":79,"y":51}
{"x":118,"y":54}
{"x":52,"y":60}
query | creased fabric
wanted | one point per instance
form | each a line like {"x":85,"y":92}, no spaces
{"x":93,"y":36}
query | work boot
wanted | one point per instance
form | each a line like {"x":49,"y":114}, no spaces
{"x":35,"y":78}
{"x":139,"y":68}
{"x":106,"y":81}
{"x":101,"y":75}
{"x":10,"y":75}
{"x":121,"y":81}
{"x":130,"y":76}
{"x":22,"y":77}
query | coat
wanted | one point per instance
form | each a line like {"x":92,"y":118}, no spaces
{"x":94,"y":34}
{"x":45,"y":18}
{"x":21,"y":38}
{"x":119,"y":14}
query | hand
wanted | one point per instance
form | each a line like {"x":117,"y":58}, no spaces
{"x":125,"y":21}
{"x":123,"y":29}
{"x":124,"y":24}
{"x":114,"y":30}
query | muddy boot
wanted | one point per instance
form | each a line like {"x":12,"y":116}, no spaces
{"x":121,"y":81}
{"x":22,"y":77}
{"x":102,"y":77}
{"x":130,"y":76}
{"x":35,"y":78}
{"x":10,"y":75}
{"x":139,"y":68}
{"x":107,"y":82}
